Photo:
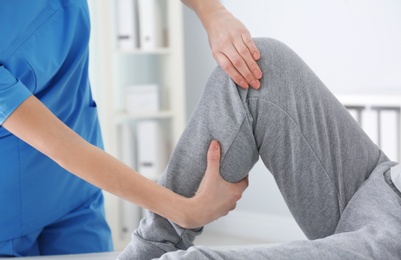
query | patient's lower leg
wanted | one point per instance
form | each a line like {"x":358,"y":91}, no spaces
{"x":221,"y":115}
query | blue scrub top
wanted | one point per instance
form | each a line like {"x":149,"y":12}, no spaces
{"x":43,"y":52}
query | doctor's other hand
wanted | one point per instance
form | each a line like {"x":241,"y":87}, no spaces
{"x":231,"y":43}
{"x":233,"y":48}
{"x":215,"y":197}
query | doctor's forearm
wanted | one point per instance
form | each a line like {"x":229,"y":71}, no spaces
{"x":108,"y":173}
{"x":205,"y":8}
{"x":36,"y":125}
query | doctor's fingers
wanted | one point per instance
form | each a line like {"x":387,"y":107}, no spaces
{"x":238,"y":188}
{"x":247,"y":49}
{"x":237,"y":61}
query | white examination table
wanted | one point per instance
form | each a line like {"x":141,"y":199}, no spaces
{"x":111,"y":255}
{"x":96,"y":256}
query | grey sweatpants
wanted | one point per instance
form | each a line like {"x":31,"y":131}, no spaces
{"x":334,"y":180}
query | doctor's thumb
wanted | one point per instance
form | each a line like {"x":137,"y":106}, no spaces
{"x":213,"y":156}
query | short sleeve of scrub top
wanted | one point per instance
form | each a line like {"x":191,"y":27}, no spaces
{"x":12,"y":93}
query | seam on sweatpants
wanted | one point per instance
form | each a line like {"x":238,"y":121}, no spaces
{"x":307,"y":142}
{"x":231,"y":144}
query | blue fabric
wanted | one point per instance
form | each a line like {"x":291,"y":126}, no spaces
{"x":86,"y":223}
{"x":12,"y":93}
{"x":43,"y":52}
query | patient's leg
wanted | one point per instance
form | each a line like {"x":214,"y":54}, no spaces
{"x":317,"y":153}
{"x":369,"y":228}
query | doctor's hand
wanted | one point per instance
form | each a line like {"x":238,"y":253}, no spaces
{"x":230,"y":41}
{"x":215,"y":197}
{"x":233,"y":48}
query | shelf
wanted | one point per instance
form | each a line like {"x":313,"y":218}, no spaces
{"x":126,"y":67}
{"x":122,"y":117}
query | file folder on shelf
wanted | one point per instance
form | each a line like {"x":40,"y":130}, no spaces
{"x":127,"y":24}
{"x":150,"y":24}
{"x":152,"y":149}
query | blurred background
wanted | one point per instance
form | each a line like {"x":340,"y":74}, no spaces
{"x":352,"y":45}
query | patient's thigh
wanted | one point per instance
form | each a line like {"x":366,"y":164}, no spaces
{"x":317,"y":153}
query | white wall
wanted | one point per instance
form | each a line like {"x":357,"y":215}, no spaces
{"x":354,"y":46}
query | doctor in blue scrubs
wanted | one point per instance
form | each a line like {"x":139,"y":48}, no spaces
{"x":52,"y":166}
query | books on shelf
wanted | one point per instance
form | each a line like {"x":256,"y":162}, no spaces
{"x":150,"y":24}
{"x":144,"y":147}
{"x":127,"y":24}
{"x":130,"y":216}
{"x":142,"y":151}
{"x":151,"y":149}
{"x":139,"y":24}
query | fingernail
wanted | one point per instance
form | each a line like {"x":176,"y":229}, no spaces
{"x":258,"y":74}
{"x":256,"y":56}
{"x":243,"y":84}
{"x":255,"y":83}
{"x":215,"y":145}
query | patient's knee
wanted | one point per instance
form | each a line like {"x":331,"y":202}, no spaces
{"x":284,"y":72}
{"x":276,"y":57}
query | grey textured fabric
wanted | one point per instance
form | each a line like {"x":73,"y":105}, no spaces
{"x":329,"y":172}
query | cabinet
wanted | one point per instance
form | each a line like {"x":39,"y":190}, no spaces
{"x":116,"y":69}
